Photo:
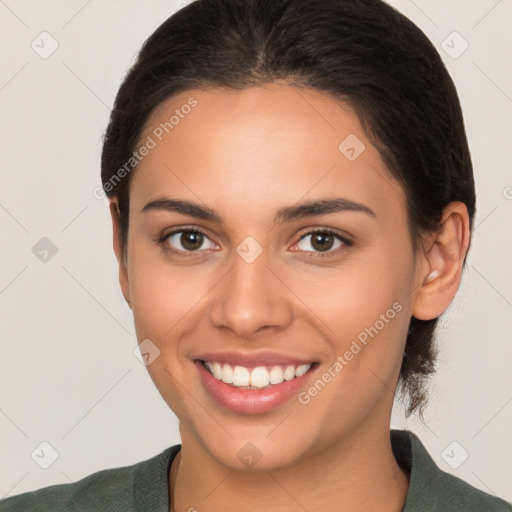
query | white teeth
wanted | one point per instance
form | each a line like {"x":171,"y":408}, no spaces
{"x":259,"y":377}
{"x":227,"y":374}
{"x":276,"y":375}
{"x":217,"y":370}
{"x":301,"y":370}
{"x":240,"y":376}
{"x":289,"y":373}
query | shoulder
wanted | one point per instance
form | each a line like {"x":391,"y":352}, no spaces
{"x":115,"y":489}
{"x":432,"y":489}
{"x":459,"y":495}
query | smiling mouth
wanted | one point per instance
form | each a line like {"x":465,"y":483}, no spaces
{"x":259,"y":377}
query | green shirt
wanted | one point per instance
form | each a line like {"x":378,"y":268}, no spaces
{"x":144,"y":487}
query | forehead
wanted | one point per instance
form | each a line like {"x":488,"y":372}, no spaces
{"x":257,"y":147}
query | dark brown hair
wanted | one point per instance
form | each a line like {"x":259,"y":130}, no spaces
{"x":362,"y":52}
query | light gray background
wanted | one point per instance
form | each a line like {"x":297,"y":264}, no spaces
{"x":68,"y":373}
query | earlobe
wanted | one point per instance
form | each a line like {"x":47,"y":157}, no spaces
{"x":119,"y":250}
{"x":441,"y":270}
{"x":433,"y":275}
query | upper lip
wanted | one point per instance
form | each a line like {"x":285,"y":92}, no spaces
{"x":250,"y":359}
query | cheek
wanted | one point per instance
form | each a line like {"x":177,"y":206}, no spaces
{"x":344,"y":302}
{"x":352,"y":297}
{"x":164,"y":298}
{"x":364,"y":311}
{"x":161,"y":294}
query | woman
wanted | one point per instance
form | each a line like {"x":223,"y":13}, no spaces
{"x":292,"y":199}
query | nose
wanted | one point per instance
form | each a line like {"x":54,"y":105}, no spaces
{"x":251,"y":299}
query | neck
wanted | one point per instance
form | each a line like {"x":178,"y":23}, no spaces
{"x":358,"y":472}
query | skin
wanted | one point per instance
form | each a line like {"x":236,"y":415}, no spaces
{"x":247,"y":154}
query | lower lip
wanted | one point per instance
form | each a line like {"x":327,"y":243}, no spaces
{"x":252,"y":401}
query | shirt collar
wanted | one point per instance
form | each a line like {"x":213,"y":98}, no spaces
{"x":151,"y":488}
{"x":424,"y":474}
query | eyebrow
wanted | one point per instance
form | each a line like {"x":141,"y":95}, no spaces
{"x":286,"y":214}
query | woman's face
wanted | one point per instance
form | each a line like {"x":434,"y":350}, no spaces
{"x":240,"y":280}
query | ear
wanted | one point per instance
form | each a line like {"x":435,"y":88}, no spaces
{"x":442,"y":262}
{"x":118,"y":249}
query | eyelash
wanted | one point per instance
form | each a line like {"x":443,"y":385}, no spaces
{"x":313,"y":254}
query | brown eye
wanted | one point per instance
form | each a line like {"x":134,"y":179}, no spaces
{"x":191,"y":240}
{"x":321,"y":241}
{"x":187,"y":240}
